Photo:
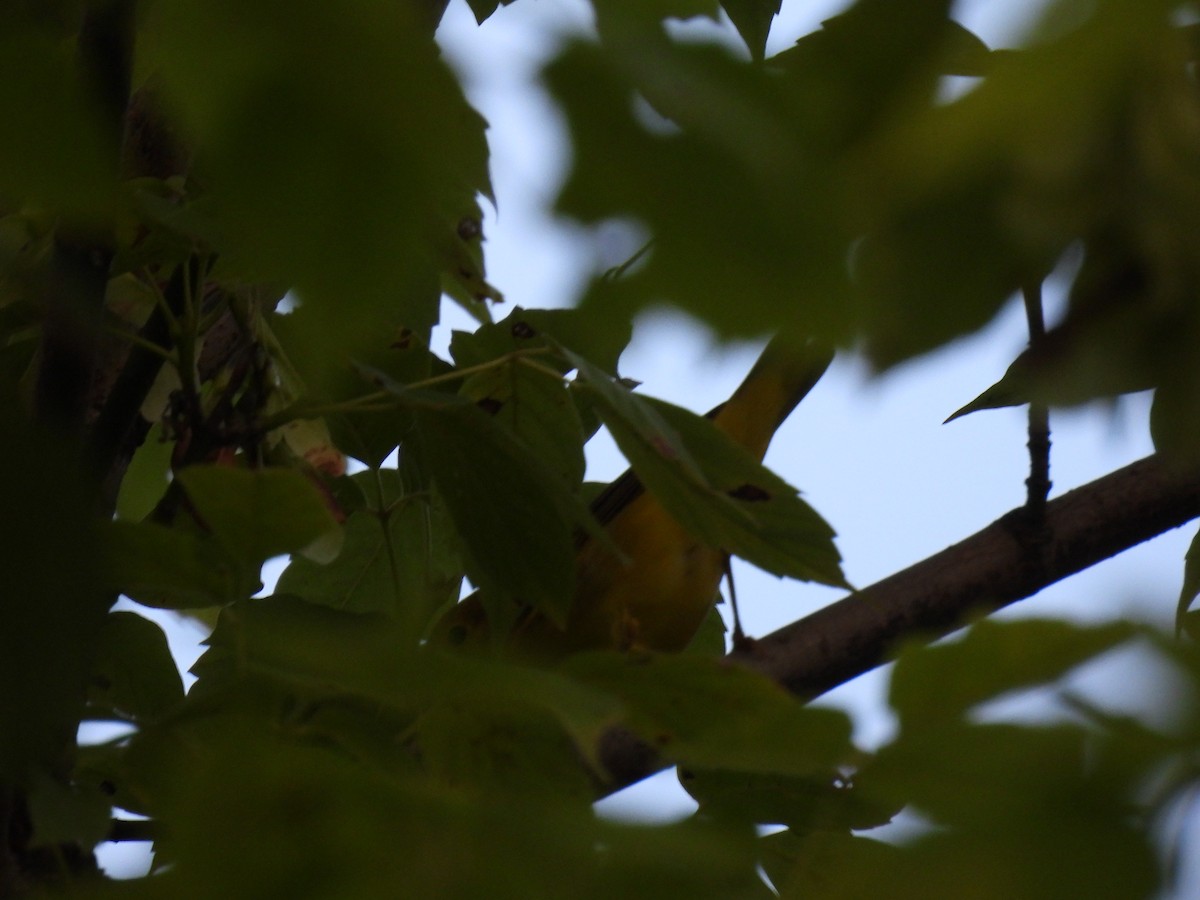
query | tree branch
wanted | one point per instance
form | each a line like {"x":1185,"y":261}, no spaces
{"x":984,"y":573}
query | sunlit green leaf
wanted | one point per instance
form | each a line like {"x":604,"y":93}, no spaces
{"x":146,"y":480}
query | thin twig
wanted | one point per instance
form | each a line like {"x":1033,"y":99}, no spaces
{"x":1037,"y":485}
{"x":740,"y":641}
{"x":136,"y":340}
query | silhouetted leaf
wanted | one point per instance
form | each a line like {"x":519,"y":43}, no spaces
{"x":702,"y":713}
{"x":134,"y":673}
{"x":753,"y":21}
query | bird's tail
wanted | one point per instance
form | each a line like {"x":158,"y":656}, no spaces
{"x":785,"y":372}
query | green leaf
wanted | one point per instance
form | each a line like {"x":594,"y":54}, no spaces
{"x":706,"y":714}
{"x":67,"y":814}
{"x":106,"y":769}
{"x":991,"y":659}
{"x":1002,"y":798}
{"x":256,"y":514}
{"x":398,"y":349}
{"x":535,"y":406}
{"x":826,"y":802}
{"x":134,"y":674}
{"x":710,"y":637}
{"x":958,"y":210}
{"x":1089,"y":355}
{"x":304,"y":646}
{"x":965,"y":52}
{"x":638,"y":417}
{"x":395,"y":559}
{"x":714,"y":487}
{"x":460,"y":252}
{"x":146,"y":480}
{"x":827,"y":864}
{"x":599,"y":338}
{"x":1175,"y":414}
{"x":760,"y":518}
{"x":753,"y":21}
{"x":514,"y":518}
{"x":485,"y":689}
{"x":740,"y":210}
{"x":1093,"y":862}
{"x":511,"y":748}
{"x":172,"y":569}
{"x":1013,"y":389}
{"x":314,"y":650}
{"x":255,"y":814}
{"x":965,"y":252}
{"x":351,"y":215}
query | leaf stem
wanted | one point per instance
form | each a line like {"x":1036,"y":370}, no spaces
{"x":138,"y":341}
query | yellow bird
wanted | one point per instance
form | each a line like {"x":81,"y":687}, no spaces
{"x":657,"y":590}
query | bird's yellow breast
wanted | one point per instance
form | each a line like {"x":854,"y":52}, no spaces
{"x":656,"y":594}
